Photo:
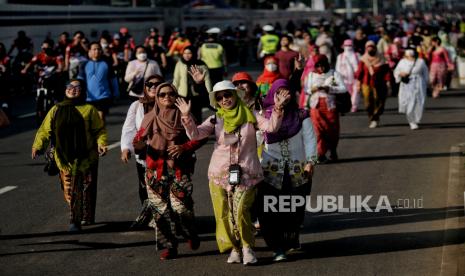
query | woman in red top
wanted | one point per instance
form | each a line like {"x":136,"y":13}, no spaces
{"x":374,"y":75}
{"x":269,"y":75}
{"x":439,"y":64}
{"x":170,"y":164}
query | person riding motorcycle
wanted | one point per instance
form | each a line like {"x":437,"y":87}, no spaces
{"x":47,"y":66}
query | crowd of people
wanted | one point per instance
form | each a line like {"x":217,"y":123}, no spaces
{"x":270,"y":133}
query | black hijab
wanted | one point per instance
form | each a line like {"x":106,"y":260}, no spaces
{"x":69,"y":128}
{"x":194,"y":60}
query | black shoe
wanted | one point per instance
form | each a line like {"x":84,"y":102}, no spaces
{"x":322,"y":160}
{"x":74,"y":228}
{"x":333,"y":156}
{"x":194,"y":243}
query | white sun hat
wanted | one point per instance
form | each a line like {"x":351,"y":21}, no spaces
{"x":220,"y":86}
{"x":268,"y":28}
{"x":214,"y":30}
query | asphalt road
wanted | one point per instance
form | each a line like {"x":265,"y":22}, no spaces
{"x":424,"y":169}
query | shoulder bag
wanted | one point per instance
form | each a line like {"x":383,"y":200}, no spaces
{"x":137,"y":87}
{"x":406,"y":79}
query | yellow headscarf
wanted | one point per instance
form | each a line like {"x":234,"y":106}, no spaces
{"x":237,"y":116}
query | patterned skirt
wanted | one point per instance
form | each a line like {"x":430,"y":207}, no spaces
{"x":172,"y":206}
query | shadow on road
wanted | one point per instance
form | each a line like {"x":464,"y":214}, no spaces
{"x":316,"y":223}
{"x":397,"y":157}
{"x":381,"y":243}
{"x":343,"y":136}
{"x":326,"y":222}
{"x":431,"y":125}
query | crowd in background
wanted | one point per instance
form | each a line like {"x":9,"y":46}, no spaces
{"x":20,"y":67}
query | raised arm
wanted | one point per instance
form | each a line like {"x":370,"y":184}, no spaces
{"x":193,"y":131}
{"x":274,"y":123}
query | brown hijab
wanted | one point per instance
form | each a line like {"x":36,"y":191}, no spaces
{"x":162,"y":125}
{"x":371,"y":61}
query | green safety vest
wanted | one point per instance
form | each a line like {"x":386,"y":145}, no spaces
{"x":269,"y":43}
{"x":212,"y":55}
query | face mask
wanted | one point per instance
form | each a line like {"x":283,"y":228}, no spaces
{"x":48,"y":51}
{"x":142,"y":56}
{"x":372,"y":53}
{"x":271,"y":67}
{"x":348,"y":49}
{"x":410,"y":53}
{"x":104,"y":45}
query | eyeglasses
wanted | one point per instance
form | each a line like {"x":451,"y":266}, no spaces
{"x":170,"y":94}
{"x":71,"y":87}
{"x":152,"y":84}
{"x":226,"y":95}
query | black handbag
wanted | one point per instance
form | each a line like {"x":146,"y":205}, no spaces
{"x":51,"y":167}
{"x":406,"y":79}
{"x":138,"y":86}
{"x":343,"y":102}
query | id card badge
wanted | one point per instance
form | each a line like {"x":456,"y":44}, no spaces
{"x":234,"y":174}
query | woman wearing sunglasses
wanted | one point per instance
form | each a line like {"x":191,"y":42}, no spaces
{"x":170,"y":163}
{"x":234,"y":169}
{"x":134,"y":117}
{"x":78,"y":137}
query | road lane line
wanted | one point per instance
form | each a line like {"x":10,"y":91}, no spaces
{"x":114,"y":145}
{"x":27,"y":115}
{"x":7,"y":189}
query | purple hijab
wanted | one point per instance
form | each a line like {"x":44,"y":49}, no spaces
{"x":293,"y":116}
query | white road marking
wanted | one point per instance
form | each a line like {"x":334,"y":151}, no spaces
{"x":114,"y":145}
{"x":27,"y":115}
{"x":7,"y":189}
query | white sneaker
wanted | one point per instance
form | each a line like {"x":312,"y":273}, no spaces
{"x":373,"y":124}
{"x":249,"y":256}
{"x":414,"y":126}
{"x":234,"y":257}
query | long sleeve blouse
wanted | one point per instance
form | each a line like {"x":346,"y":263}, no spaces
{"x":183,"y":165}
{"x":295,"y":152}
{"x":331,"y":79}
{"x":95,"y":132}
{"x":230,"y":148}
{"x":135,"y":72}
{"x":380,"y":77}
{"x":131,"y":126}
{"x":181,"y":80}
